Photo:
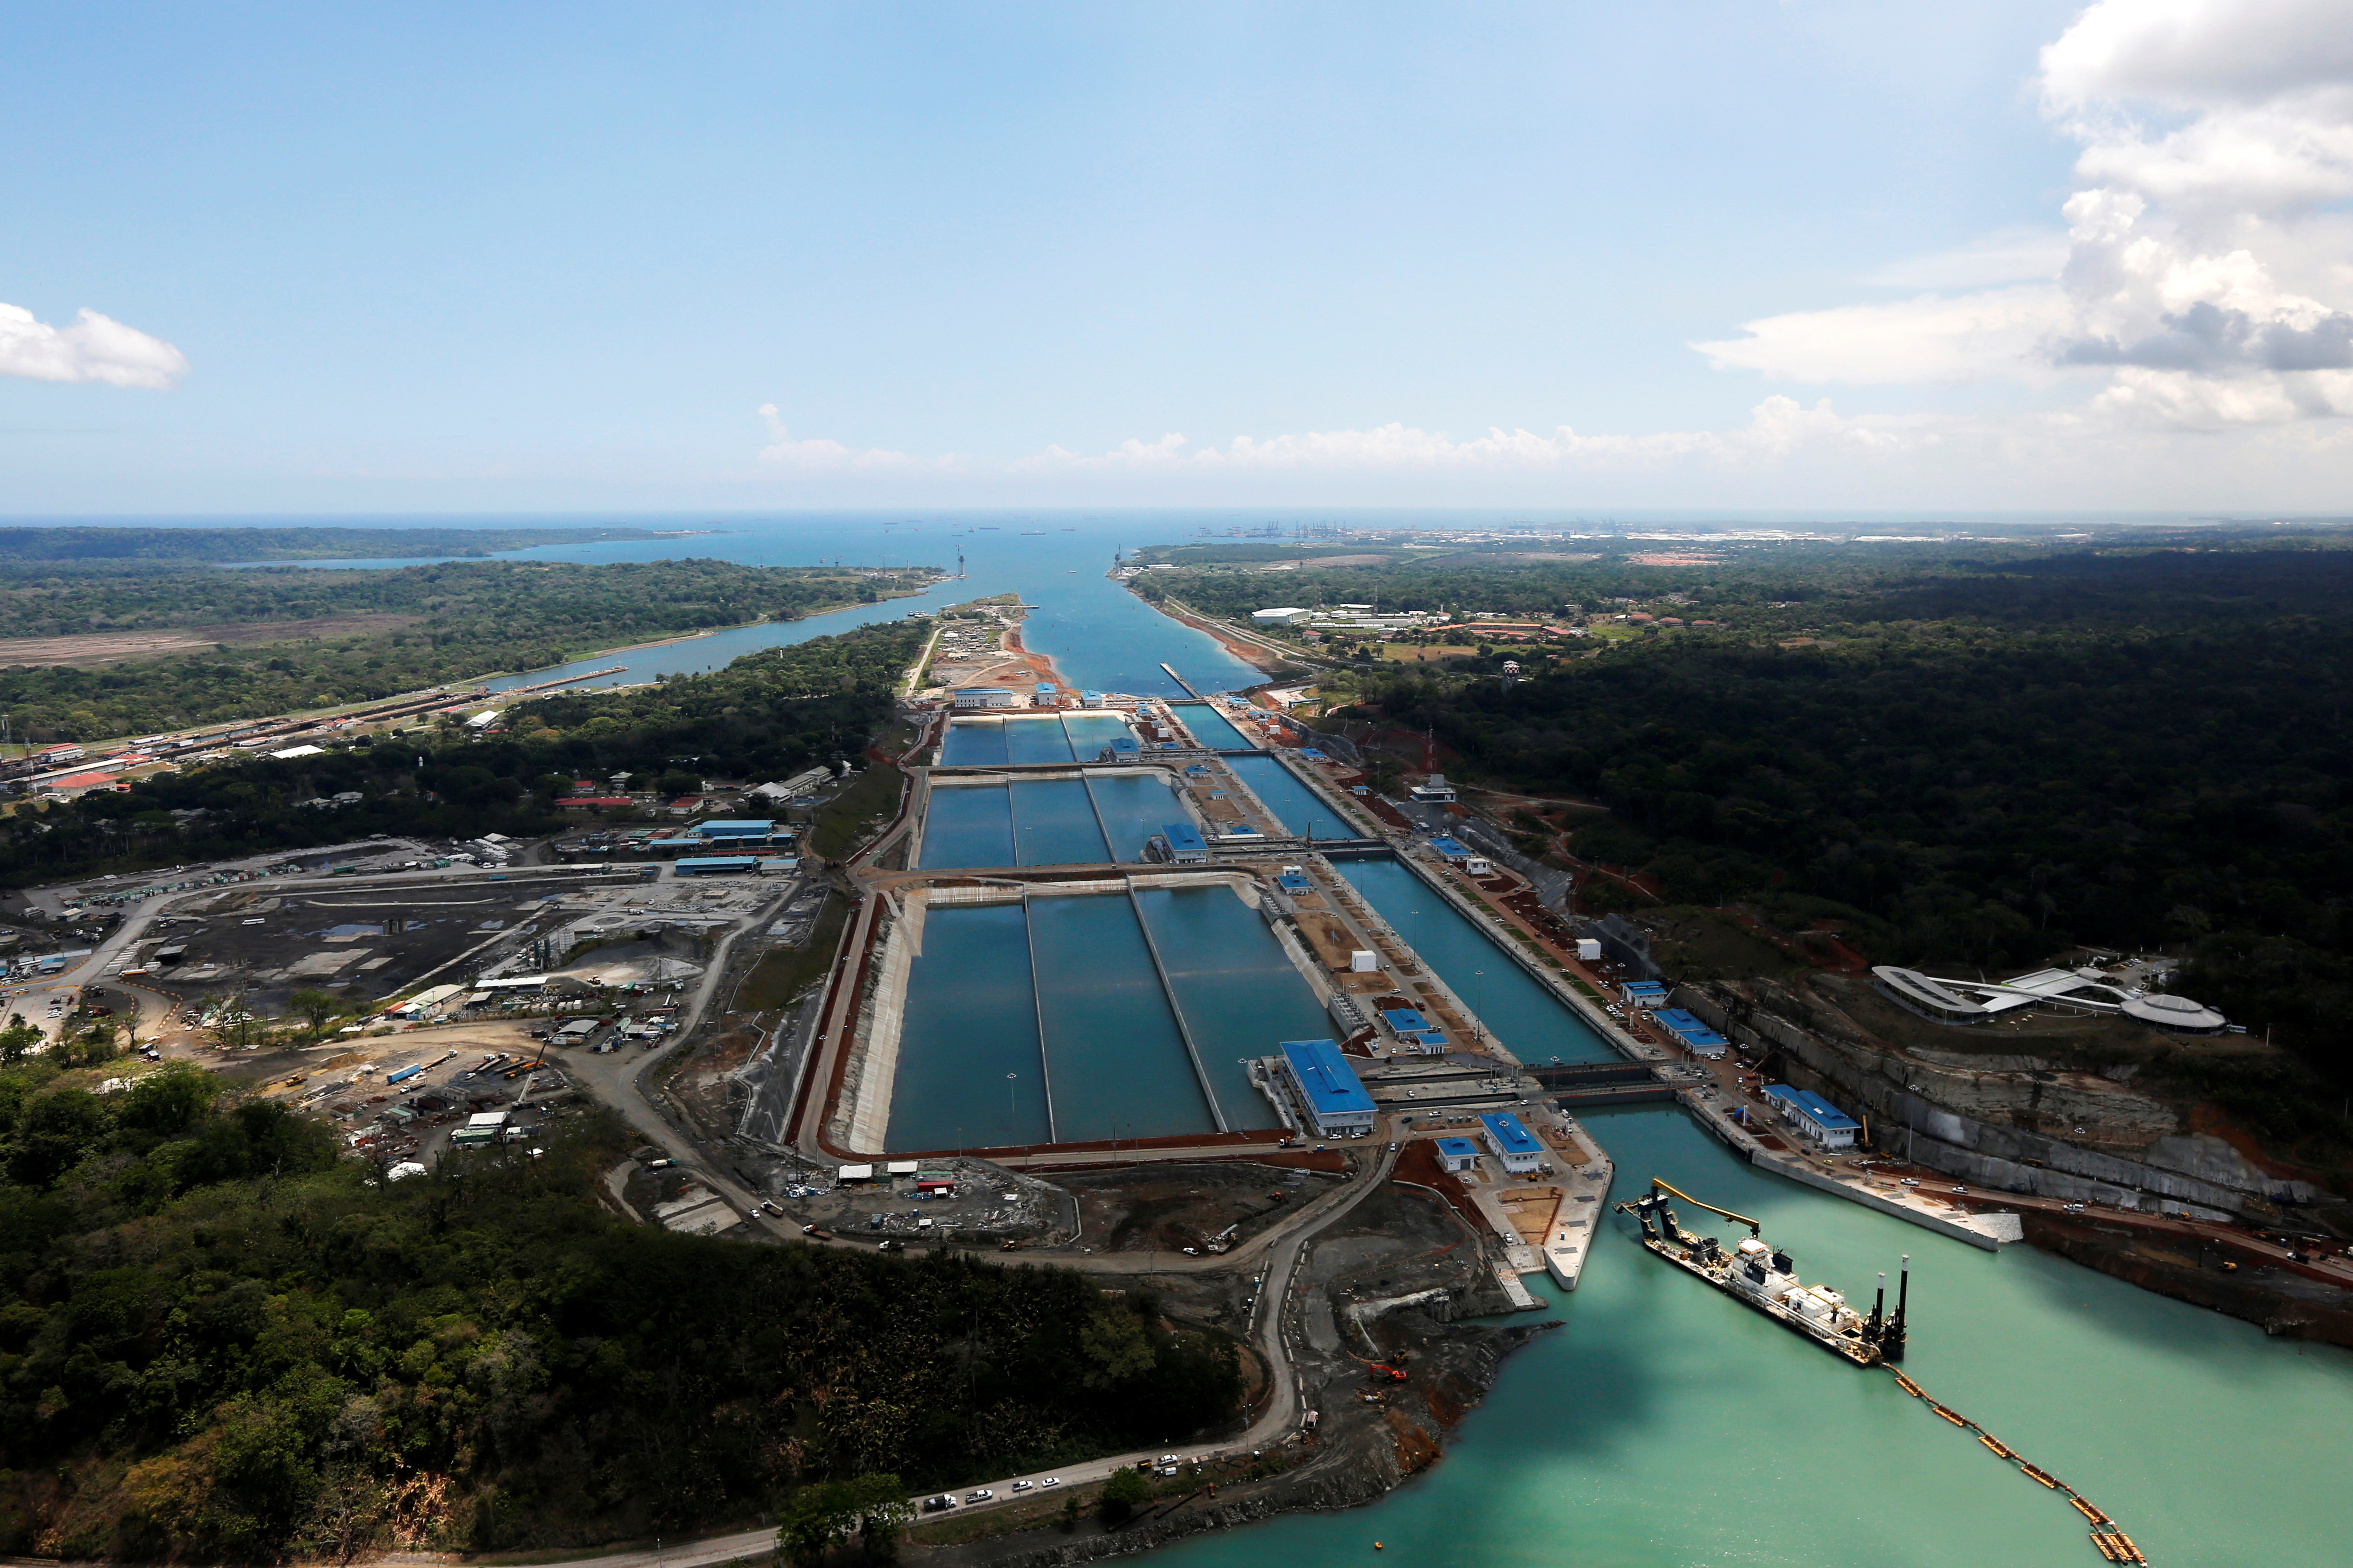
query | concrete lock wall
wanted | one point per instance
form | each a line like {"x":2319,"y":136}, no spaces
{"x":1979,"y":1152}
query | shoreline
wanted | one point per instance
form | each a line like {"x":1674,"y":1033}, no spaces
{"x":674,"y":641}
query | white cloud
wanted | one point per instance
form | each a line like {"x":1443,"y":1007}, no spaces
{"x":2199,"y":284}
{"x":2008,"y":256}
{"x":785,"y":451}
{"x":1929,"y":339}
{"x":95,"y":348}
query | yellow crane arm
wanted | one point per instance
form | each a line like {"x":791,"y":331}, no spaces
{"x":1754,"y":1227}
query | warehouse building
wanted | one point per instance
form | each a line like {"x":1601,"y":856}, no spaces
{"x":1456,"y":1155}
{"x":1513,"y":1144}
{"x":1180,"y":843}
{"x":1690,"y":1034}
{"x":741,"y":832}
{"x":1813,"y":1115}
{"x":1327,"y":1086}
{"x":977,"y":697}
{"x":718,"y":865}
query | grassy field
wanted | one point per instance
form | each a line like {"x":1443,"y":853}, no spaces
{"x":781,"y":975}
{"x":850,"y":818}
{"x":1414,"y":653}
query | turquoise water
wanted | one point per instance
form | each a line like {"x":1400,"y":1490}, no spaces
{"x":975,"y":742}
{"x":1045,"y":822}
{"x":1667,"y":1427}
{"x":1531,"y":1022}
{"x":1209,"y":726}
{"x":1119,"y":1066}
{"x":1030,"y":822}
{"x":1241,"y":996}
{"x":967,"y":825}
{"x":1116,"y":1059}
{"x":1135,"y":806}
{"x":969,"y":1021}
{"x":1091,"y":732}
{"x":1036,"y":740}
{"x":1053,"y":825}
{"x":1291,"y":802}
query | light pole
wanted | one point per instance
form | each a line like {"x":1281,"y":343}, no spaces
{"x":1479,"y":1005}
{"x":1013,"y":1117}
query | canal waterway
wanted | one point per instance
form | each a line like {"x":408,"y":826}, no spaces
{"x":1101,"y":636}
{"x":1293,"y":804}
{"x":1210,"y":727}
{"x":1665,"y":1425}
{"x":1532,"y":1023}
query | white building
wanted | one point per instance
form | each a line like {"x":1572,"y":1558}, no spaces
{"x":1813,"y":1115}
{"x":974,"y":697}
{"x":1289,"y":616}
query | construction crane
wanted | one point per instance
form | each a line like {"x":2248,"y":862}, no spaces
{"x":1658,"y":1186}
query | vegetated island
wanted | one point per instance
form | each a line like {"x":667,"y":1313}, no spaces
{"x":98,"y":544}
{"x":90,"y":654}
{"x":1785,"y":765}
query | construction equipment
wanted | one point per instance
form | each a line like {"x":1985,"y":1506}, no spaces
{"x":1382,"y":1372}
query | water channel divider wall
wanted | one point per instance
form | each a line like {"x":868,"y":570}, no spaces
{"x":1176,"y":1009}
{"x":1038,"y":1002}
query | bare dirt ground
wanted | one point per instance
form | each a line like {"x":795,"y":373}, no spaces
{"x":1166,"y":1207}
{"x":114,"y":648}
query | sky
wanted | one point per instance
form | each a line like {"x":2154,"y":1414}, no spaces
{"x":1724,"y":254}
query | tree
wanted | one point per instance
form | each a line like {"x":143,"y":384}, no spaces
{"x":823,"y":1517}
{"x":17,"y":1039}
{"x":1124,"y":1493}
{"x":316,"y":1008}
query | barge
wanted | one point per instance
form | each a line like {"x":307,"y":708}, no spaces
{"x":1764,"y":1277}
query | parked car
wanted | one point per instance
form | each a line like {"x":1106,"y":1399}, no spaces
{"x":939,"y":1503}
{"x":982,"y":1495}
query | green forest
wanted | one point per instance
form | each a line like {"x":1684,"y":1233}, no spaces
{"x":224,"y":1341}
{"x":89,"y":544}
{"x":1976,"y":757}
{"x":292,"y":639}
{"x":767,"y":715}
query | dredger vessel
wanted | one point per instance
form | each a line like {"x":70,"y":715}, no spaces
{"x":1764,"y":1277}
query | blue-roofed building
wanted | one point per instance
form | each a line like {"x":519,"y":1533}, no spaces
{"x":1045,"y":689}
{"x":717,"y":865}
{"x":1406,"y":1020}
{"x":1454,"y":849}
{"x":1294,"y":883}
{"x":1644,"y":994}
{"x":1091,"y":698}
{"x":1327,"y":1086}
{"x":1690,"y":1034}
{"x":1457,"y":1154}
{"x":1809,"y":1113}
{"x":1183,"y":844}
{"x":1513,"y":1144}
{"x":1123,"y":750}
{"x":745,"y":830}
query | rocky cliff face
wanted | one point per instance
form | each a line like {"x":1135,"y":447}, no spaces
{"x":2032,"y":1124}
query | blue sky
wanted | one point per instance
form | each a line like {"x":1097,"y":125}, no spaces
{"x":479,"y":258}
